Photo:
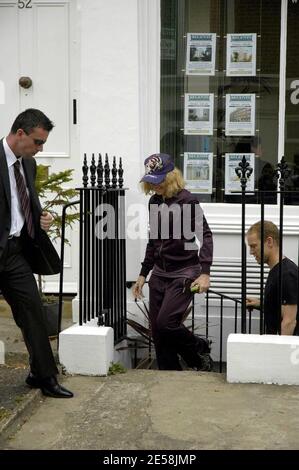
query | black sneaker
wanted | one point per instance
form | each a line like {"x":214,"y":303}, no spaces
{"x":203,"y":353}
{"x":206,"y":362}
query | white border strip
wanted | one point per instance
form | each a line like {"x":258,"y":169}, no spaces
{"x":282,"y":78}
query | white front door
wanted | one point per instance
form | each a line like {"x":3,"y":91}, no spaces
{"x":35,"y":43}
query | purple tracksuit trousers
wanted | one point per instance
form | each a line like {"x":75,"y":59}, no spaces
{"x":167,"y":306}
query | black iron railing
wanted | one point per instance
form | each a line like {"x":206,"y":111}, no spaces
{"x":215,"y":332}
{"x":102,"y":265}
{"x":219,"y":330}
{"x":282,"y":173}
{"x":102,"y":246}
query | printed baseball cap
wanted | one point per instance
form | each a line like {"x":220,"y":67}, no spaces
{"x":156,"y":168}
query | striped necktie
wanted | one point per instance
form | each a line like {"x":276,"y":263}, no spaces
{"x":24,"y":199}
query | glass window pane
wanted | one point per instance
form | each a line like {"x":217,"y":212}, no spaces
{"x":292,"y":103}
{"x":180,"y":17}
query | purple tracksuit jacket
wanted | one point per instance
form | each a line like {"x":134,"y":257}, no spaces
{"x":170,"y":253}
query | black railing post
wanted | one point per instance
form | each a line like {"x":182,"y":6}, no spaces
{"x":122,"y":241}
{"x":221,"y":334}
{"x":207,"y":315}
{"x":243,"y":171}
{"x":98,"y":241}
{"x":282,"y":172}
{"x":93,"y":169}
{"x":83,"y":241}
{"x":222,"y":298}
{"x":81,"y":258}
{"x":262,"y":264}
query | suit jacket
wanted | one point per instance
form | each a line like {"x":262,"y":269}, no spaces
{"x":39,"y":252}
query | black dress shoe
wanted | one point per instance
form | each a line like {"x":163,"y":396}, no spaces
{"x":32,"y":381}
{"x":51,"y":388}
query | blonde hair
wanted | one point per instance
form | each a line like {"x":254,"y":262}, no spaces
{"x":270,"y":230}
{"x":174,"y":183}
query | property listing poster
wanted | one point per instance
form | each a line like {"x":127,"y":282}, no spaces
{"x":199,"y":111}
{"x":198,"y":172}
{"x":241,"y":55}
{"x":240,"y":114}
{"x":232,"y":181}
{"x":200,"y":54}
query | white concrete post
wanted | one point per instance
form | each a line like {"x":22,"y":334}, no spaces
{"x":87,"y":349}
{"x":269,"y":359}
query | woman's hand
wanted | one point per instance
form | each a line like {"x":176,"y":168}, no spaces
{"x":137,"y":288}
{"x":203,"y":283}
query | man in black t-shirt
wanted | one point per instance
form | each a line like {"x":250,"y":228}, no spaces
{"x":289,"y":277}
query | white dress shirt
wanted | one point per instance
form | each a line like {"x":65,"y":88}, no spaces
{"x":17,"y":217}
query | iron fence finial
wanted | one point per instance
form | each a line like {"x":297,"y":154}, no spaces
{"x":107,"y":172}
{"x":114,"y":173}
{"x":85,"y":171}
{"x":243,"y":171}
{"x":92,"y":169}
{"x":282,"y":172}
{"x":120,"y":174}
{"x":100,"y":171}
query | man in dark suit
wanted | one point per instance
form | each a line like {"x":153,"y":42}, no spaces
{"x":24,"y":246}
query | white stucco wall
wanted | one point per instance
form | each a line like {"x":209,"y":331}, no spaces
{"x":109,"y":119}
{"x":113,"y":82}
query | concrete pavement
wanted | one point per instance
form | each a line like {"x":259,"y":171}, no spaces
{"x":143,"y":409}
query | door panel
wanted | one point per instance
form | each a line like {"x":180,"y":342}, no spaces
{"x":36,"y":42}
{"x":9,"y":64}
{"x":51,"y":71}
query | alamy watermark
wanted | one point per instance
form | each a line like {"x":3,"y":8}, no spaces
{"x":294,"y":356}
{"x":178,"y":222}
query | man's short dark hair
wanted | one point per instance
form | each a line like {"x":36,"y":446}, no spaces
{"x":29,"y":119}
{"x":270,"y":230}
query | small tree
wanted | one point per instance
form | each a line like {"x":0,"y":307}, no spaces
{"x":53,"y":197}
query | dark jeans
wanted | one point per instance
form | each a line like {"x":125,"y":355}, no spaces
{"x":167,"y":306}
{"x":19,"y":289}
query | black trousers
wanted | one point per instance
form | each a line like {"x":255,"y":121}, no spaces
{"x":19,"y":289}
{"x":167,"y":306}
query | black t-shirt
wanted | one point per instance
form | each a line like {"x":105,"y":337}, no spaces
{"x":289,"y":273}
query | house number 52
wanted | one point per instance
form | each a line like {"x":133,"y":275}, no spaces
{"x":26,"y":4}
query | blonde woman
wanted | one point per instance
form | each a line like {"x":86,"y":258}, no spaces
{"x":176,"y":262}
